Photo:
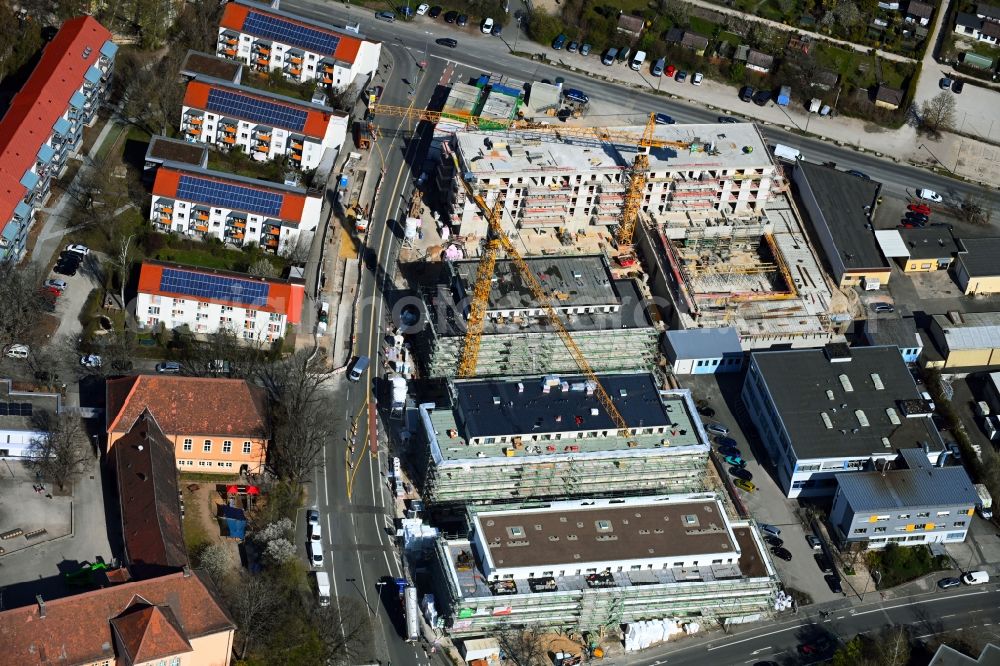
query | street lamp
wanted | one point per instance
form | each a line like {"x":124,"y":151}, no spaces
{"x":517,"y":33}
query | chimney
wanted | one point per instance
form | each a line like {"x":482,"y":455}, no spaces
{"x":187,"y":569}
{"x":41,"y":605}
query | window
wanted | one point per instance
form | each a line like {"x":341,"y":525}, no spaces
{"x":924,"y":514}
{"x":904,"y":516}
{"x":880,"y":530}
{"x":227,"y":446}
{"x":861,"y":530}
{"x":515,"y":532}
{"x":175,"y":661}
{"x":188,"y":444}
{"x":207,"y":448}
{"x":247,"y":448}
{"x":603,"y":525}
{"x":958,"y":523}
{"x":943,"y":513}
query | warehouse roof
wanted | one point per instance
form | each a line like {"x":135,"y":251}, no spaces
{"x":980,"y":256}
{"x":908,"y":488}
{"x":929,"y":243}
{"x":850,"y":403}
{"x":697,"y":343}
{"x":970,"y":330}
{"x":842,"y":199}
{"x":889,"y":331}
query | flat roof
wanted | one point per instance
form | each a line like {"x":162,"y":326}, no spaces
{"x":891,"y":243}
{"x":164,"y":149}
{"x":980,"y":256}
{"x":548,"y":153}
{"x":18,"y":409}
{"x":497,"y":407}
{"x":842,"y":199}
{"x":198,"y":63}
{"x":975,"y":330}
{"x":908,"y":488}
{"x":805,"y":384}
{"x":900,"y":332}
{"x":696,"y":343}
{"x":929,"y":242}
{"x":577,"y":535}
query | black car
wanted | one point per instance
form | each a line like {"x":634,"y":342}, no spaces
{"x":946,"y":583}
{"x":705,"y":410}
{"x":824,"y":563}
{"x":435,"y":11}
{"x":451,"y":17}
{"x":747,"y":93}
{"x":761,"y":97}
{"x":730,"y":451}
{"x":726,"y":441}
{"x":957,"y":87}
{"x":497,"y":30}
{"x":573,"y":47}
{"x":663,"y":119}
{"x":741,"y":473}
{"x":728,"y":119}
{"x":462,"y":20}
{"x":773,"y":541}
{"x":782,"y":554}
{"x":859,"y":174}
{"x":68,"y":270}
{"x":447,"y":41}
{"x":833,"y":582}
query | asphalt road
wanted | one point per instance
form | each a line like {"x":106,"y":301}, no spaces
{"x":963,"y":609}
{"x":483,"y":54}
{"x":359,"y":553}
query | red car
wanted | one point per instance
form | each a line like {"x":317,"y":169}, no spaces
{"x":671,"y":70}
{"x":920,"y":208}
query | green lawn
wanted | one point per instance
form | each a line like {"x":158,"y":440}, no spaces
{"x":237,"y":162}
{"x":900,"y":564}
{"x":730,"y":37}
{"x":277,"y":84}
{"x":702,"y":26}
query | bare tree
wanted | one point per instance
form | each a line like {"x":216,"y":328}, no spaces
{"x":122,"y":260}
{"x":297,"y":251}
{"x":938,"y":113}
{"x":345,"y":98}
{"x":263,"y":268}
{"x":523,"y":647}
{"x":345,"y":629}
{"x":61,"y":451}
{"x":253,"y":601}
{"x":976,"y":210}
{"x":21,"y":303}
{"x":893,"y":646}
{"x":299,"y":417}
{"x":224,"y":352}
{"x":847,"y":13}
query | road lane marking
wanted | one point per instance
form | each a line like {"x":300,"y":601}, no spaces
{"x":753,"y":638}
{"x":916,"y":603}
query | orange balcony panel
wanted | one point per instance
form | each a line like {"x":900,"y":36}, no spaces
{"x":274,"y":231}
{"x":327,"y":80}
{"x":263,"y":138}
{"x":194,"y":120}
{"x":165,"y":220}
{"x":238,"y":235}
{"x":201,"y":227}
{"x":296,"y":145}
{"x":296,"y":157}
{"x":271,"y":242}
{"x":230,"y":52}
{"x":229,"y":139}
{"x":201,"y":216}
{"x":328,"y":69}
{"x":239,"y":224}
{"x":231,"y":41}
{"x":263,"y":50}
{"x":295,"y":71}
{"x":166,"y":210}
{"x":295,"y":60}
{"x":193,"y":131}
{"x":264,"y":62}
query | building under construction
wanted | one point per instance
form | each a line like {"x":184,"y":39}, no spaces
{"x":594,"y":565}
{"x":606,"y":317}
{"x":549,"y":437}
{"x":575,"y":180}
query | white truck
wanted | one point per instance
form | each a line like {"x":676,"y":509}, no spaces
{"x":786,"y":152}
{"x":323,"y":588}
{"x":412,"y":613}
{"x":985,"y":506}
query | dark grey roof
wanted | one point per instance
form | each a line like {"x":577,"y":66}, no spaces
{"x":928,"y":487}
{"x":988,"y":11}
{"x":696,"y":343}
{"x":980,"y":256}
{"x":919,"y":9}
{"x":799,"y":380}
{"x":948,"y":656}
{"x":825,"y":78}
{"x":23,"y":420}
{"x":842,"y":198}
{"x":889,"y":95}
{"x":496,"y":407}
{"x":929,"y":243}
{"x":968,"y":20}
{"x":888,"y":331}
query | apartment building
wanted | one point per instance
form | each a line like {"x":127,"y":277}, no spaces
{"x":213,"y":424}
{"x":548,"y":437}
{"x":173,"y":619}
{"x":261,"y":124}
{"x":607,"y":318}
{"x":43,"y":126}
{"x":239,"y":211}
{"x":838,"y":409}
{"x":206,"y":301}
{"x":548,"y":180}
{"x":586,"y":565}
{"x":908,"y":502}
{"x":268,"y":39}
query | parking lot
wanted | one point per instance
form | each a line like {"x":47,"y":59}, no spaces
{"x":766,"y":503}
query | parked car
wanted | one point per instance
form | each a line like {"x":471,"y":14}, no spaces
{"x":730,"y":451}
{"x":975,"y":578}
{"x":462,"y":20}
{"x":859,"y":174}
{"x":957,"y":87}
{"x":81,"y":250}
{"x":558,"y":42}
{"x":422,"y":9}
{"x":814,"y":542}
{"x":823,"y":562}
{"x":576,"y":96}
{"x":658,"y":66}
{"x":487,"y":25}
{"x":435,"y":11}
{"x":930,"y":195}
{"x":316,"y":555}
{"x":944,"y":83}
{"x":735,"y":461}
{"x":18,"y":351}
{"x":624,"y":53}
{"x":773,"y":541}
{"x":919,"y":208}
{"x":722,"y":440}
{"x":388,"y":17}
{"x":782,"y":554}
{"x":705,"y":410}
{"x":769,"y":529}
{"x":91,"y":361}
{"x":833,"y":582}
{"x":948,"y":583}
{"x":762,"y":97}
{"x":917,"y":217}
{"x":728,"y":119}
{"x":609,"y":56}
{"x":881,"y":308}
{"x":741,"y":473}
{"x":747,"y":93}
{"x":451,"y":16}
{"x":663,"y":119}
{"x":743,"y":484}
{"x":497,"y":30}
{"x":447,"y":41}
{"x":573,"y":47}
{"x":312,"y":516}
{"x":716,"y":428}
{"x":316,"y":533}
{"x":670,"y":71}
{"x":168,"y":368}
{"x":681,"y":76}
{"x":585,"y":50}
{"x":57,"y":284}
{"x":697,"y":78}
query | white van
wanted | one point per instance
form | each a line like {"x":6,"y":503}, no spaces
{"x":640,"y":57}
{"x":358,"y":368}
{"x":17,"y":351}
{"x":975,"y":578}
{"x":316,"y":554}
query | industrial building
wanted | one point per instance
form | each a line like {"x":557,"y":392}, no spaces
{"x":927,"y":249}
{"x":900,"y":333}
{"x":549,"y":437}
{"x":908,"y":502}
{"x":269,"y":39}
{"x":702,"y":351}
{"x":836,"y":409}
{"x":840,"y":207}
{"x":597,"y":564}
{"x":263,"y":125}
{"x":577,"y":182}
{"x":606,"y":317}
{"x":966,"y":339}
{"x":759,"y":276}
{"x":977,"y":268}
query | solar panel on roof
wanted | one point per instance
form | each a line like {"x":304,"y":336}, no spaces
{"x":229,"y":196}
{"x":218,"y":287}
{"x":251,"y":108}
{"x":290,"y":33}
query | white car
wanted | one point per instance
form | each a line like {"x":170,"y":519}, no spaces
{"x":316,"y":554}
{"x":81,"y":250}
{"x":697,"y":78}
{"x":930,"y":195}
{"x":17,"y":351}
{"x":91,"y":361}
{"x":316,"y":533}
{"x":422,"y":9}
{"x":56,"y":284}
{"x":487,"y":26}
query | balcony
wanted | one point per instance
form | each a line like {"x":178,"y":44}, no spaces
{"x":201,"y":228}
{"x":229,"y":38}
{"x":295,"y":144}
{"x":295,"y":71}
{"x":327,"y":80}
{"x":228,"y":52}
{"x":294,"y":59}
{"x":200,"y":214}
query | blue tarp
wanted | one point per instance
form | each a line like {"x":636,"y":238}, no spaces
{"x":236,"y":521}
{"x":505,"y":90}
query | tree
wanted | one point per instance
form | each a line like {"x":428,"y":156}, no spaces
{"x":847,"y":13}
{"x":345,"y":630}
{"x":217,"y":561}
{"x":252,"y":602}
{"x":61,"y":451}
{"x":523,"y":647}
{"x":297,"y":251}
{"x":123,"y":262}
{"x":262,"y":268}
{"x":344,"y":99}
{"x":893,"y":646}
{"x":976,"y":210}
{"x":21,"y":303}
{"x":222,"y":353}
{"x":938,"y":113}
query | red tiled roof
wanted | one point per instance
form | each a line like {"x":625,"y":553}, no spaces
{"x":78,"y":629}
{"x":282,"y":297}
{"x":147,"y":632}
{"x":235,"y":14}
{"x":188,"y":405}
{"x":147,"y":491}
{"x":168,"y":180}
{"x":42,"y":101}
{"x":196,"y":96}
